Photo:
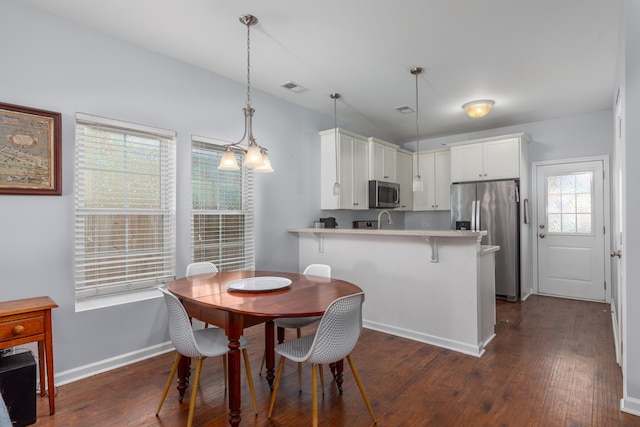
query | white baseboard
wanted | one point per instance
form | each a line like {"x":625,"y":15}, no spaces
{"x":630,"y":405}
{"x":91,"y":369}
{"x":477,"y":350}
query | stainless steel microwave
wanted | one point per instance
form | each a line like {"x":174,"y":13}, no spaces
{"x":384,"y":194}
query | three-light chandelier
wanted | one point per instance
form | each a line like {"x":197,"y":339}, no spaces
{"x":255,"y":156}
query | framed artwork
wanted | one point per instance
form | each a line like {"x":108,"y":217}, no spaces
{"x":30,"y":151}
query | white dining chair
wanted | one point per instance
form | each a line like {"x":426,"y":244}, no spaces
{"x":322,"y":270}
{"x":198,"y":344}
{"x":201,"y":268}
{"x":335,"y":338}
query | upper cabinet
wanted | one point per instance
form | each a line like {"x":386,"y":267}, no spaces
{"x":350,"y":154}
{"x":404,"y":175}
{"x":489,"y":158}
{"x":382,"y":160}
{"x":436,"y":179}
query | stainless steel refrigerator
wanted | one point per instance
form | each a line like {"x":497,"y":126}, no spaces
{"x":493,"y":206}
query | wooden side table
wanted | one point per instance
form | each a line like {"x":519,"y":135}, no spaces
{"x":27,"y":320}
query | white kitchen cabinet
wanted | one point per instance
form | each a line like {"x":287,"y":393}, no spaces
{"x":491,"y":159}
{"x":435,"y":170}
{"x":404,"y":175}
{"x":352,"y":162}
{"x":382,"y":160}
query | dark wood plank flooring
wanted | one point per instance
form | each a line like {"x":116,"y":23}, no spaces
{"x":552,"y":363}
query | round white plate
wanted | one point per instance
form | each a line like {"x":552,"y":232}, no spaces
{"x":259,"y":284}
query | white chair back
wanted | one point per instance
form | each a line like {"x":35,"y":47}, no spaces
{"x":321,"y":270}
{"x":201,"y":268}
{"x":338,"y":331}
{"x":180,"y":327}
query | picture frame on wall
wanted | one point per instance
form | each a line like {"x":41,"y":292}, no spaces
{"x":30,"y":151}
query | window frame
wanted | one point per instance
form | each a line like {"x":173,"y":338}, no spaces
{"x":155,"y":256}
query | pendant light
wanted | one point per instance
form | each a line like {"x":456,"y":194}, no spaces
{"x":417,"y":180}
{"x":336,"y":186}
{"x":255,"y":156}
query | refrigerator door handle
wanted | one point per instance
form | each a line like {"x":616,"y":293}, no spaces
{"x":477,"y":214}
{"x":473,"y":215}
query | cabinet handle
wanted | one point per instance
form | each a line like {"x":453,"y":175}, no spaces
{"x":18,"y":330}
{"x":485,"y":174}
{"x":479,"y":175}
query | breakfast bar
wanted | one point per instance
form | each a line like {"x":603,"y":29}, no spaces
{"x":433,"y":286}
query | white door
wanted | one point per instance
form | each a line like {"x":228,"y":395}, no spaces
{"x":570,"y":233}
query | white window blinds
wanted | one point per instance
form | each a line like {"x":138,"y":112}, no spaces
{"x":222,"y":215}
{"x":125,"y":213}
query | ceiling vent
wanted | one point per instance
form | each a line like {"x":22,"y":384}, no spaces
{"x":294,"y":87}
{"x":404,"y":109}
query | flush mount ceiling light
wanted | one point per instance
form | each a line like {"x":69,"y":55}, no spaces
{"x":417,"y":180}
{"x":478,"y":109}
{"x":255,"y":156}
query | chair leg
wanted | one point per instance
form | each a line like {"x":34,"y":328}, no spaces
{"x":361,"y":387}
{"x":299,"y":366}
{"x":247,"y":367}
{"x":314,"y":395}
{"x":194,"y":391}
{"x":174,"y":368}
{"x":274,"y":393}
{"x":224,"y":369}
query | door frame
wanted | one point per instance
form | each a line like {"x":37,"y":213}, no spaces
{"x":606,"y":220}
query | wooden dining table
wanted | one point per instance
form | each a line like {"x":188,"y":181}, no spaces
{"x":207,"y":297}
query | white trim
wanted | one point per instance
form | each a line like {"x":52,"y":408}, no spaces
{"x":461,"y":347}
{"x":616,"y":331}
{"x":97,"y":120}
{"x":606,"y":220}
{"x":117,"y":299}
{"x":81,"y":372}
{"x":630,"y":405}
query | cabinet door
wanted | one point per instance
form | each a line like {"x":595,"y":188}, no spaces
{"x":345,"y":163}
{"x":502,"y":159}
{"x":390,"y":164}
{"x":383,"y":162}
{"x":425,"y":200}
{"x":360,"y":176}
{"x":443,"y":180}
{"x":466,"y":163}
{"x":404,"y":175}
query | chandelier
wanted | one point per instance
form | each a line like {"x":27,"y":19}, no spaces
{"x":417,"y":180}
{"x":255,"y":156}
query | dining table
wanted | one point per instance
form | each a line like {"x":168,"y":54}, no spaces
{"x":235,"y":300}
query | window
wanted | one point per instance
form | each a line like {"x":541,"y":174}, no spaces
{"x":125,"y":210}
{"x":222,"y":216}
{"x":569,"y":203}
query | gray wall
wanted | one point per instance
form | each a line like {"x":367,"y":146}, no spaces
{"x":52,"y":64}
{"x":629,"y":80}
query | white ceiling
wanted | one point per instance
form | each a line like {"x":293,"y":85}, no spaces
{"x":538,"y":59}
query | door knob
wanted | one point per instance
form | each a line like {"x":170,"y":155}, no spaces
{"x":541,"y":226}
{"x":616,"y":253}
{"x":541,"y":235}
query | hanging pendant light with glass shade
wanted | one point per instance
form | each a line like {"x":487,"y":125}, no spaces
{"x":336,"y":186}
{"x":255,"y":156}
{"x":417,"y":179}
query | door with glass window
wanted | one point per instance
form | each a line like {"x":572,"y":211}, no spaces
{"x":570,"y":230}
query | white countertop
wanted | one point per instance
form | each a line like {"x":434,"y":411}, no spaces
{"x":388,"y":232}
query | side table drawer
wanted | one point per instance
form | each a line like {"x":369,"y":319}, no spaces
{"x":11,"y":329}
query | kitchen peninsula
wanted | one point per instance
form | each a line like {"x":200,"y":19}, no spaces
{"x":433,"y":286}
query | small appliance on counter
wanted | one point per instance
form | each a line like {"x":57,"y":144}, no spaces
{"x":365,"y":224}
{"x":329,"y":222}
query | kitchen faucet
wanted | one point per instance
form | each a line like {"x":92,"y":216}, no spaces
{"x":389,"y":220}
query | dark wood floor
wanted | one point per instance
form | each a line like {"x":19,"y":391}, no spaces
{"x":552,"y":363}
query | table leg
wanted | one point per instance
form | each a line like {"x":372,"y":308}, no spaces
{"x":184,"y":371}
{"x":269,"y":345}
{"x":48,"y":348}
{"x":339,"y":365}
{"x":234,"y":331}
